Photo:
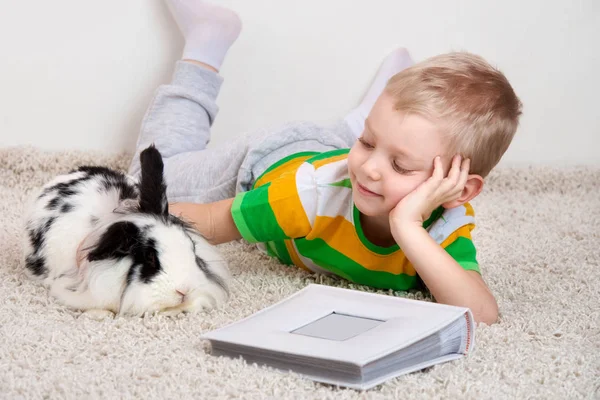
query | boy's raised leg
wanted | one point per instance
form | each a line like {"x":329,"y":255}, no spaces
{"x":179,"y":117}
{"x":393,"y":63}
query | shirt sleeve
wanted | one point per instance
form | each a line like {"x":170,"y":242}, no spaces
{"x":462,"y":249}
{"x":271,"y":212}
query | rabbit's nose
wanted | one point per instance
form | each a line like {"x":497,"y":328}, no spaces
{"x":182,"y":292}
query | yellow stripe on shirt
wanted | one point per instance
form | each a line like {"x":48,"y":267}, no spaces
{"x":469,"y":209}
{"x":319,"y":163}
{"x":286,"y":205}
{"x":463,"y":231}
{"x":341,"y":235}
{"x":275,"y":173}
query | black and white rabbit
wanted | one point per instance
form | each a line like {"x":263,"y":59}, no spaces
{"x":100,"y":240}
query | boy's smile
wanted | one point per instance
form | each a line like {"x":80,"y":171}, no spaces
{"x":365,"y":191}
{"x":392,"y":158}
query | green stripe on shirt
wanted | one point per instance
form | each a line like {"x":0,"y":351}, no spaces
{"x":332,"y":260}
{"x":326,"y":155}
{"x":464,"y":252}
{"x":238,"y":218}
{"x":254,"y":216}
{"x":343,"y":183}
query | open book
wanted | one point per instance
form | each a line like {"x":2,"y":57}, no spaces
{"x":347,"y":337}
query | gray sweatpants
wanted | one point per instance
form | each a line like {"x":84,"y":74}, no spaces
{"x":178,"y":122}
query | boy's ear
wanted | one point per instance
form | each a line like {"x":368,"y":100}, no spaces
{"x":472,"y":188}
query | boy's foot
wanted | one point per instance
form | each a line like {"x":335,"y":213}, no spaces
{"x":393,"y":63}
{"x":209,"y":30}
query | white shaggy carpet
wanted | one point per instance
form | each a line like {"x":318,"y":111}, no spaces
{"x":538,"y":237}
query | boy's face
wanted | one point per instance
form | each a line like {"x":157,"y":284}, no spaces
{"x":392,"y":158}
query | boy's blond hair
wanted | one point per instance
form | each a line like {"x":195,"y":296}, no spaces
{"x":473,"y":101}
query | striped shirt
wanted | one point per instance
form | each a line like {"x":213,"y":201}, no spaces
{"x":301,"y":211}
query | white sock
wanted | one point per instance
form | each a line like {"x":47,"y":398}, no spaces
{"x":209,"y":30}
{"x":393,"y":63}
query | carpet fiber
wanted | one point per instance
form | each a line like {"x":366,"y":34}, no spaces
{"x":537,"y":235}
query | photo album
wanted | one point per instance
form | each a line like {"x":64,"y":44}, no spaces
{"x":347,"y":337}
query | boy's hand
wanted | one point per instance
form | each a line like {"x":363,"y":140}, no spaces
{"x":418,"y":205}
{"x":212,"y":220}
{"x":447,"y":281}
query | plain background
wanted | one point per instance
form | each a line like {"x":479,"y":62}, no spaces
{"x":80,"y":74}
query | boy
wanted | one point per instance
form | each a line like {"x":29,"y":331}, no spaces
{"x":392,"y":207}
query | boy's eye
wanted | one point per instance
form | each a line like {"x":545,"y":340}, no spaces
{"x":365,"y":143}
{"x":399,"y":169}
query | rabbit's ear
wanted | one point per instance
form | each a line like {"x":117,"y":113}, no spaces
{"x":153,"y":190}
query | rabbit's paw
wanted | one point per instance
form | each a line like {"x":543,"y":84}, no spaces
{"x":98,"y":314}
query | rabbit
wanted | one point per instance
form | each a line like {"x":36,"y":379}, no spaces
{"x":102,"y":240}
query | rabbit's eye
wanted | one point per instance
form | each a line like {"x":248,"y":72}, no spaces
{"x":149,"y":260}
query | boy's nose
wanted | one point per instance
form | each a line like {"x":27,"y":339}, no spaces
{"x":371,"y":170}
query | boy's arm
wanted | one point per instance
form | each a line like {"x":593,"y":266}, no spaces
{"x":213,"y":220}
{"x":253,"y":215}
{"x":447,"y":281}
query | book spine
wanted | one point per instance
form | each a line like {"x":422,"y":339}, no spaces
{"x":470,"y":332}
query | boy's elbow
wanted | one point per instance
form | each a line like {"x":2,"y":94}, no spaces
{"x":488,"y":314}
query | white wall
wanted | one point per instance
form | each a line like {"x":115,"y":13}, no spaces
{"x":79,"y":74}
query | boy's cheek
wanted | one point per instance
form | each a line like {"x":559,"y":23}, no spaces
{"x":420,"y":177}
{"x":405,"y":188}
{"x":417,"y":180}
